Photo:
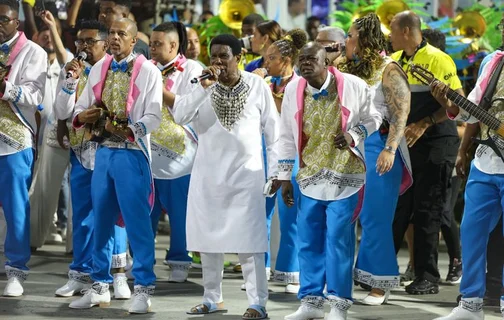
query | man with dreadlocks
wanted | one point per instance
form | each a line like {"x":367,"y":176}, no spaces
{"x":20,"y":95}
{"x":173,"y":146}
{"x":392,"y":175}
{"x":326,"y":115}
{"x":225,"y":213}
{"x":433,"y":143}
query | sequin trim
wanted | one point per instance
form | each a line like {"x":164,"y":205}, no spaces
{"x":140,"y":130}
{"x":285,"y":165}
{"x":473,"y":305}
{"x":381,"y":282}
{"x":228,"y":103}
{"x":16,"y":273}
{"x":79,"y":276}
{"x":176,"y":265}
{"x":144,"y":290}
{"x":119,"y":260}
{"x":332,"y":178}
{"x":100,"y":287}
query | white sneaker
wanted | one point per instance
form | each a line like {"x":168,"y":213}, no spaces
{"x":16,"y":277}
{"x":243,"y":287}
{"x":311,"y":308}
{"x":121,"y":288}
{"x":468,"y":309}
{"x":179,"y":271}
{"x":292,"y":288}
{"x":376,"y":301}
{"x":339,"y":308}
{"x":77,"y":281}
{"x":141,"y":299}
{"x":97,"y":295}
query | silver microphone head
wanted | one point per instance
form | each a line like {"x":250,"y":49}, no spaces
{"x":82,"y":56}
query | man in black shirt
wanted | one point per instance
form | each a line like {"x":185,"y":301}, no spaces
{"x":112,"y":10}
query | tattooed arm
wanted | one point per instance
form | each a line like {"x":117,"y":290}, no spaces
{"x":398,"y":98}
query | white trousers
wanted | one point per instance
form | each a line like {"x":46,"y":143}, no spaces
{"x":254,"y":274}
{"x":44,"y":192}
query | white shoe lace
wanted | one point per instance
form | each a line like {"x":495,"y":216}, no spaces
{"x":141,"y":296}
{"x":121,"y":281}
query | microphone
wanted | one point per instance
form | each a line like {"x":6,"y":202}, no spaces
{"x":203,"y":77}
{"x":81,"y":57}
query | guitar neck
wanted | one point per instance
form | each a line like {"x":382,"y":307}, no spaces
{"x":477,"y":112}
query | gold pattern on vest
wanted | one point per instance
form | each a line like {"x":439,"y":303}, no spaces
{"x":497,"y":108}
{"x":10,"y":125}
{"x":321,"y":123}
{"x":169,"y":135}
{"x":76,"y":135}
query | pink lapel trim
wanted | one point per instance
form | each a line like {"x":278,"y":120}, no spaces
{"x":98,"y":88}
{"x":22,"y":40}
{"x":180,"y":60}
{"x":134,"y":91}
{"x":491,"y":66}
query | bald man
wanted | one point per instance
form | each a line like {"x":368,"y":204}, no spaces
{"x":193,"y":45}
{"x":131,"y":88}
{"x":433,"y":144}
{"x":336,"y":117}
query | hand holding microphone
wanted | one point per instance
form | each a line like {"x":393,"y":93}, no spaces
{"x":208,"y":76}
{"x":75,"y":67}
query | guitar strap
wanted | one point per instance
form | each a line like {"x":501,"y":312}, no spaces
{"x":486,"y":101}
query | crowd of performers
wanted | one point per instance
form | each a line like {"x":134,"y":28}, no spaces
{"x":340,"y":139}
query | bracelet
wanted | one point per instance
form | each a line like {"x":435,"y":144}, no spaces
{"x":389,"y":149}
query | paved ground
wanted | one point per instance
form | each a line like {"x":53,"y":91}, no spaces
{"x":49,"y":267}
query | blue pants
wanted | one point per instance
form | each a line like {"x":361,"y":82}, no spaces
{"x":172,"y":196}
{"x":15,"y":181}
{"x":484,"y":204}
{"x":121,"y":182}
{"x":377,"y":217}
{"x":287,"y":259}
{"x":83,"y":220}
{"x":326,"y":246}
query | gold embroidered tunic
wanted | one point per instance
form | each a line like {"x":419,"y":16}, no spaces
{"x":76,"y":135}
{"x":114,"y":97}
{"x":12,"y":131}
{"x":170,"y":135}
{"x":321,"y":123}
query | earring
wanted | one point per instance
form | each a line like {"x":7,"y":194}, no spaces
{"x":355,"y":57}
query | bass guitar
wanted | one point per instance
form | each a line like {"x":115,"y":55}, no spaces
{"x":495,"y":131}
{"x":96,"y":132}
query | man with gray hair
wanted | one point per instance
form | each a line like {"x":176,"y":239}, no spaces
{"x":334,"y":38}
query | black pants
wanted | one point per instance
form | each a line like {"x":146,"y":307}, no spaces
{"x":449,"y":227}
{"x":495,"y":260}
{"x":425,"y":200}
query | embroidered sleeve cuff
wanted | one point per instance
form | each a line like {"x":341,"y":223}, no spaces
{"x":461,"y":116}
{"x":285,"y":168}
{"x":75,"y":122}
{"x":70,"y":85}
{"x":359,"y":133}
{"x":139,"y":131}
{"x":12,"y":92}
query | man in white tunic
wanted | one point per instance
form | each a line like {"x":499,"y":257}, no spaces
{"x":225,"y":211}
{"x":20,"y":94}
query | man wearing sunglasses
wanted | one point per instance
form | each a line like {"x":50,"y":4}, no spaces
{"x":20,"y":95}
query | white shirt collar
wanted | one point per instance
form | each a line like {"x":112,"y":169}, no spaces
{"x":12,"y":40}
{"x":162,"y":67}
{"x":324,"y":86}
{"x":128,"y":58}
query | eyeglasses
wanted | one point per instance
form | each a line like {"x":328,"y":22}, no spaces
{"x":89,"y":42}
{"x":6,"y":20}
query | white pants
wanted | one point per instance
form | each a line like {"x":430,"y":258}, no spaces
{"x":44,"y":191}
{"x":254,"y":274}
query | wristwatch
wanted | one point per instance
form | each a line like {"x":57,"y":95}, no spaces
{"x":389,"y":149}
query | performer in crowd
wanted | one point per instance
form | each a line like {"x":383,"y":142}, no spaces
{"x":92,"y":40}
{"x":334,"y":38}
{"x":130,"y":87}
{"x":326,"y":116}
{"x":388,"y":165}
{"x":173,"y":146}
{"x":225,"y":214}
{"x":483,"y":193}
{"x":279,"y":64}
{"x":20,"y":94}
{"x":433,"y":143}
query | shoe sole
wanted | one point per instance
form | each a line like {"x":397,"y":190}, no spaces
{"x":100,"y":305}
{"x":430,"y":291}
{"x":138,"y":312}
{"x":12,"y":295}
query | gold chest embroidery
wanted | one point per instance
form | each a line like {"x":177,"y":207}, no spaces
{"x":115,"y":92}
{"x":169,"y":135}
{"x":77,"y":135}
{"x":321,"y":123}
{"x":12,"y":130}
